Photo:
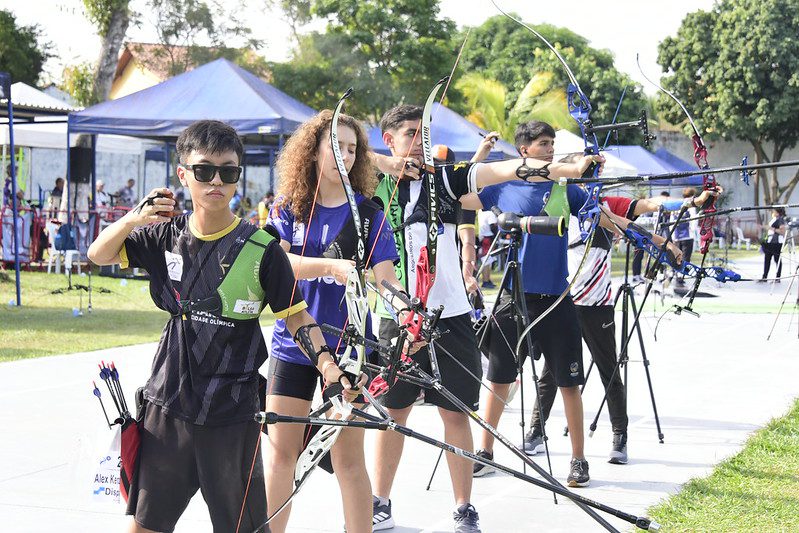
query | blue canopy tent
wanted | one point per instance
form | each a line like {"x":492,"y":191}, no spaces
{"x":217,"y":90}
{"x":451,"y":129}
{"x":659,"y":162}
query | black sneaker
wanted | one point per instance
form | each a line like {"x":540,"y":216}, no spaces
{"x":381,"y":515}
{"x":578,"y":473}
{"x":480,"y":469}
{"x":618,"y":453}
{"x":466,"y":519}
{"x":533,"y":443}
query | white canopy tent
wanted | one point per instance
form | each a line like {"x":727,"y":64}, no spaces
{"x":567,"y":142}
{"x":44,"y":134}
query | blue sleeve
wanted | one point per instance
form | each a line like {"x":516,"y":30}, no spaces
{"x":489,"y":196}
{"x":672,"y":205}
{"x":577,"y":197}
{"x":385,"y":248}
{"x":282,"y":219}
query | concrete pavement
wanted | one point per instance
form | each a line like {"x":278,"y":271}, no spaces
{"x":715,"y":380}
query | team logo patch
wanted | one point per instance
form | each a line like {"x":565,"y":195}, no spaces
{"x":575,"y":369}
{"x":174,"y":265}
{"x":298,"y":234}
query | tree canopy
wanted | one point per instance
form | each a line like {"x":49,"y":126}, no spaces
{"x":22,"y":50}
{"x":502,"y":50}
{"x":736,"y":69}
{"x":390,"y":51}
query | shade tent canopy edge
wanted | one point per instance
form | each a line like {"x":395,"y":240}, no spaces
{"x":219,"y":90}
{"x":454,"y":131}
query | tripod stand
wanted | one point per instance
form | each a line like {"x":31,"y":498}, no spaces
{"x":795,"y":306}
{"x":627,"y":295}
{"x":513,"y":286}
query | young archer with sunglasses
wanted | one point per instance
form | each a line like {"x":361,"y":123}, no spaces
{"x":214,"y":274}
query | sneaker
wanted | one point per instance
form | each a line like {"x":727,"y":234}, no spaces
{"x":381,"y":515}
{"x":578,"y":473}
{"x":533,"y":443}
{"x":480,"y":469}
{"x":488,"y":285}
{"x":466,"y":519}
{"x":618,"y":453}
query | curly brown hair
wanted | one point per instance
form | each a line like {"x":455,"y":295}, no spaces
{"x":298,"y":172}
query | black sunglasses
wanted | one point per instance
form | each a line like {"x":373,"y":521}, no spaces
{"x":206,"y":173}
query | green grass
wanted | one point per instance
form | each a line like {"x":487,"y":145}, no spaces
{"x":45,"y":324}
{"x":755,"y":490}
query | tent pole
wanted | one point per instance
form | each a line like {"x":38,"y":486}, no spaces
{"x":271,"y":169}
{"x":244,"y":184}
{"x":93,"y":204}
{"x":166,"y":161}
{"x":5,"y":82}
{"x":69,"y":181}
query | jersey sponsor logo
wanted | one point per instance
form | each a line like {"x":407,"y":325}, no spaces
{"x":298,"y":234}
{"x":325,"y":231}
{"x":247,"y":307}
{"x":174,"y":265}
{"x":328,"y":280}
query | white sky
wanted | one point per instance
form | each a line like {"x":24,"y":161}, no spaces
{"x":625,"y":27}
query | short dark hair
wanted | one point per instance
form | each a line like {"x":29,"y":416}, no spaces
{"x":527,"y":132}
{"x":394,"y":117}
{"x":211,"y":137}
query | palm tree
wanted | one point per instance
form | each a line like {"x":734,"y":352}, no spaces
{"x":486,"y":100}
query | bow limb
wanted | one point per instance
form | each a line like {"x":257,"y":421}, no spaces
{"x":589,"y":214}
{"x":425,"y":266}
{"x":700,"y":158}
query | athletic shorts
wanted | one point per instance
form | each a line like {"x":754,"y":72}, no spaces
{"x":558,"y":336}
{"x":461,"y":343}
{"x":297,"y":381}
{"x":292,"y":379}
{"x":178,"y":457}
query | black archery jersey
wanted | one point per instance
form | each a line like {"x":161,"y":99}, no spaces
{"x":205,"y":369}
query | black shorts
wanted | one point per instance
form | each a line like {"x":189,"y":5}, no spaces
{"x":297,"y":381}
{"x":292,"y":379}
{"x":558,"y":336}
{"x":460,"y":342}
{"x":178,"y":457}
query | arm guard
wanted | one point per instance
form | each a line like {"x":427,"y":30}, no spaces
{"x":303,"y":339}
{"x":524,"y":172}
